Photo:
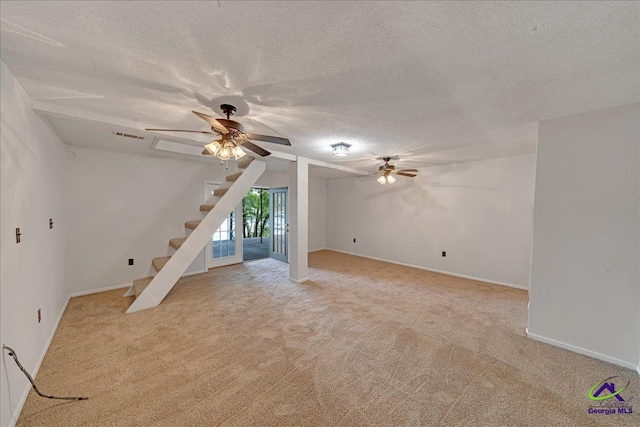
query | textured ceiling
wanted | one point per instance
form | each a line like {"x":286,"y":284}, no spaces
{"x":431,"y":82}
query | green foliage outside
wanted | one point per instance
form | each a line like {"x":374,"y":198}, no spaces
{"x":255,"y":210}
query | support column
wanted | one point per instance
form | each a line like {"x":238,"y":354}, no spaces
{"x":299,"y":220}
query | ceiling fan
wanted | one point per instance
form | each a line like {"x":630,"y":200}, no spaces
{"x":232,"y":136}
{"x":388,"y":171}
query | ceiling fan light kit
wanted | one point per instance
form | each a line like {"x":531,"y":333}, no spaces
{"x":386,"y":179}
{"x":226,"y":150}
{"x":340,"y":149}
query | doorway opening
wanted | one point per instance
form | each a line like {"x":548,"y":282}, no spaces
{"x":255,"y":224}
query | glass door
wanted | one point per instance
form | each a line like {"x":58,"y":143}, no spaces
{"x":225,"y":247}
{"x":279,"y":224}
{"x":224,"y":239}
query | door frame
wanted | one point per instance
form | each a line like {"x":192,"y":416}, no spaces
{"x":278,"y":256}
{"x":209,"y":261}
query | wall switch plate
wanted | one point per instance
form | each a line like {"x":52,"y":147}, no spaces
{"x":39,"y":315}
{"x":444,"y":254}
{"x":130,"y":261}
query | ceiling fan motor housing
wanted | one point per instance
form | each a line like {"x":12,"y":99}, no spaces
{"x":228,"y":109}
{"x":231,"y":124}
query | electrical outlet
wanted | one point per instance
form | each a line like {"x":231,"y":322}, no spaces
{"x":354,"y":240}
{"x":39,"y":315}
{"x":130,"y":261}
{"x":444,"y":254}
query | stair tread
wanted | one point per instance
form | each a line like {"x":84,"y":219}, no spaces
{"x":234,"y":177}
{"x":206,"y":208}
{"x":245,"y":163}
{"x":220,"y":191}
{"x":177,"y":242}
{"x":192,"y":224}
{"x":140,"y":284}
{"x":160,"y":262}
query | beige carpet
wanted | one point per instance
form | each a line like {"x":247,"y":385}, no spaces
{"x":363,"y":343}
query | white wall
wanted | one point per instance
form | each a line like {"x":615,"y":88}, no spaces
{"x":32,"y":161}
{"x":317,"y":213}
{"x":480,"y":213}
{"x":584,"y":279}
{"x":125,"y":205}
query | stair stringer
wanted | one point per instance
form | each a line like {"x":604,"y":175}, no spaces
{"x":167,"y":277}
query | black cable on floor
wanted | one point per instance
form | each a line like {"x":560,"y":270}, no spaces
{"x":13,"y":354}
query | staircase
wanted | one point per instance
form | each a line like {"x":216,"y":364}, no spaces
{"x":150,"y":291}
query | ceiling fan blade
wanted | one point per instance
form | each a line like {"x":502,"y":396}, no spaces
{"x":216,"y":125}
{"x":266,"y":138}
{"x":408,"y":170}
{"x":180,"y":130}
{"x":253,"y":147}
{"x":411,"y":175}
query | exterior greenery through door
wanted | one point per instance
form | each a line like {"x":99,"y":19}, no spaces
{"x":255,"y":218}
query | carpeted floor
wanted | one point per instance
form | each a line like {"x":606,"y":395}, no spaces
{"x":362,"y":343}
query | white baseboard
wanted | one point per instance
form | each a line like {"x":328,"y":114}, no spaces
{"x":582,"y":351}
{"x":23,"y":399}
{"x":298,"y":281}
{"x":95,"y":291}
{"x":316,"y":250}
{"x":433,"y":270}
{"x":193,"y":273}
{"x":124,"y":285}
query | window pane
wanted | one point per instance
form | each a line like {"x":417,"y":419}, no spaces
{"x":223,"y":240}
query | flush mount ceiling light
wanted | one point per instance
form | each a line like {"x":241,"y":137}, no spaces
{"x":340,"y":149}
